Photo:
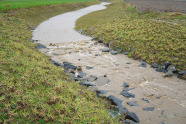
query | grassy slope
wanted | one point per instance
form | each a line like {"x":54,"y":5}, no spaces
{"x":32,"y":90}
{"x":17,"y":4}
{"x":154,"y":41}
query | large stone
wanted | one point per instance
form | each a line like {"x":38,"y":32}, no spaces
{"x":81,"y":74}
{"x":122,"y":109}
{"x":132,"y":116}
{"x":113,"y":113}
{"x":125,"y":85}
{"x":160,"y":70}
{"x":91,"y":78}
{"x":171,"y":68}
{"x":102,"y":81}
{"x":100,"y":41}
{"x":101,"y":91}
{"x":168,"y":74}
{"x":68,"y":66}
{"x":165,"y":65}
{"x":132,"y":103}
{"x":86,"y":84}
{"x":155,"y":66}
{"x":127,"y":121}
{"x":114,"y":100}
{"x":126,"y":53}
{"x":182,"y":74}
{"x":148,"y":109}
{"x":105,"y":50}
{"x":113,"y":52}
{"x":56,"y":63}
{"x":39,"y":46}
{"x":127,"y":94}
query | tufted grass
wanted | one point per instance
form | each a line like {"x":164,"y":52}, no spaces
{"x":154,"y":41}
{"x":32,"y":90}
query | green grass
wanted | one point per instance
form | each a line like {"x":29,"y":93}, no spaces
{"x":32,"y":90}
{"x":17,"y":4}
{"x":154,"y":41}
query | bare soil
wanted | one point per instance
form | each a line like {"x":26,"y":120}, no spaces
{"x":159,"y":5}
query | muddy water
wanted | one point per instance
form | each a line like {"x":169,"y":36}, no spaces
{"x":166,"y":95}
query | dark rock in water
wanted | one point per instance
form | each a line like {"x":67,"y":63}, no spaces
{"x":132,"y":116}
{"x":115,"y":100}
{"x":102,"y":81}
{"x":160,"y":70}
{"x":146,"y":100}
{"x":105,"y":50}
{"x":113,"y":52}
{"x":68,"y":66}
{"x":125,"y":85}
{"x":168,"y":74}
{"x":81,"y":74}
{"x":80,"y":31}
{"x":86,"y":84}
{"x":113,"y":113}
{"x":155,"y":66}
{"x":97,"y":55}
{"x":129,"y":122}
{"x":39,"y":46}
{"x":88,"y":67}
{"x":91,"y":78}
{"x":122,"y":109}
{"x":100,"y":41}
{"x":132,"y":49}
{"x":143,"y":64}
{"x":132,"y":103}
{"x":56,"y":63}
{"x":148,"y":109}
{"x":165,"y":65}
{"x":126,"y":53}
{"x":162,"y":122}
{"x":127,"y":94}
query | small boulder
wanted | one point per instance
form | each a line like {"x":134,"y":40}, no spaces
{"x":91,"y":78}
{"x":105,"y":50}
{"x":88,"y":67}
{"x":146,"y":100}
{"x":115,"y":100}
{"x":40,"y":46}
{"x":160,"y":70}
{"x":86,"y":84}
{"x":143,"y":64}
{"x":127,"y":94}
{"x":81,"y":74}
{"x":132,"y":50}
{"x":122,"y":109}
{"x":132,"y":103}
{"x":148,"y":109}
{"x":68,"y":66}
{"x":165,"y":65}
{"x":102,"y":81}
{"x":168,"y":74}
{"x":132,"y":116}
{"x":80,"y":31}
{"x":126,"y":53}
{"x":113,"y":52}
{"x":125,"y":85}
{"x":155,"y":66}
{"x":100,"y":41}
{"x":113,"y":113}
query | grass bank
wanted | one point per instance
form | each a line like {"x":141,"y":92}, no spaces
{"x":155,"y":37}
{"x":32,"y":90}
{"x":17,"y":4}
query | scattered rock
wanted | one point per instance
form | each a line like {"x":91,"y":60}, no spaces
{"x":86,"y":84}
{"x":95,"y":43}
{"x":79,"y":69}
{"x":125,"y":85}
{"x":68,"y":66}
{"x":132,"y":103}
{"x":81,"y":74}
{"x":160,"y":70}
{"x":127,"y":94}
{"x":128,"y":63}
{"x":115,"y":100}
{"x":101,"y":91}
{"x":100,"y":41}
{"x":88,"y":67}
{"x":182,"y":74}
{"x":75,"y":79}
{"x":129,"y":122}
{"x":97,"y":54}
{"x":155,"y":66}
{"x":172,"y":68}
{"x":143,"y":64}
{"x":122,"y":109}
{"x":91,"y":78}
{"x":148,"y":109}
{"x":132,"y":50}
{"x":168,"y":74}
{"x":113,"y":113}
{"x":102,"y":81}
{"x":126,"y":53}
{"x":92,"y":88}
{"x":113,"y":52}
{"x":146,"y":100}
{"x":105,"y":50}
{"x":165,"y":65}
{"x":56,"y":63}
{"x":56,"y":54}
{"x":39,"y":46}
{"x":119,"y":51}
{"x":132,"y":116}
